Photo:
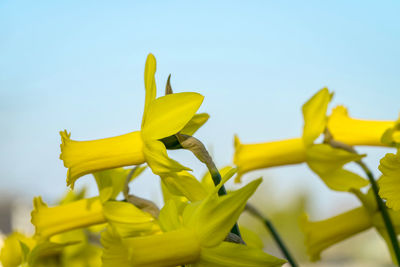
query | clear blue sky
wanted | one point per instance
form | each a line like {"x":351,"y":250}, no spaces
{"x":78,"y":65}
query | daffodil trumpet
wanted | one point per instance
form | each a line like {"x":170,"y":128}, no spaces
{"x":163,"y":117}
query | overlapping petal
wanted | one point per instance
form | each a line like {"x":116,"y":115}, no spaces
{"x":390,"y":180}
{"x":236,"y":255}
{"x":212,"y":229}
{"x":314,"y":114}
{"x":167,"y":115}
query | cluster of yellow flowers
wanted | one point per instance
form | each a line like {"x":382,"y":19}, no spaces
{"x":196,"y":225}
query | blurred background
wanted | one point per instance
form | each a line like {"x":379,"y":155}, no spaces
{"x":79,"y":66}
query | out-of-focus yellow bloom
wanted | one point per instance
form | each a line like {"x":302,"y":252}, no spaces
{"x":62,"y":218}
{"x":326,"y":161}
{"x":86,"y":212}
{"x":323,"y":234}
{"x":11,"y":254}
{"x":162,"y":117}
{"x":390,"y":181}
{"x":193,"y":235}
{"x":356,"y":132}
{"x":250,"y":157}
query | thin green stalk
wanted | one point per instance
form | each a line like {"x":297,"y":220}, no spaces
{"x":385,"y":214}
{"x":270,"y":227}
{"x":216,"y":176}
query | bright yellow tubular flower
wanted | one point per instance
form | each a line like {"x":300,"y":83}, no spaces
{"x":322,"y":234}
{"x":193,"y":236}
{"x":326,"y":161}
{"x":162,"y":117}
{"x":62,"y":218}
{"x":356,"y":131}
{"x":390,"y":181}
{"x":87,"y":212}
{"x":249,"y":157}
{"x":11,"y":254}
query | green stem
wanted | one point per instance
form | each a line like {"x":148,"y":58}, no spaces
{"x":385,"y":214}
{"x":270,"y":227}
{"x":216,"y":176}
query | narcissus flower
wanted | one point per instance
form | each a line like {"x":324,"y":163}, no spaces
{"x":162,"y":117}
{"x":88,"y":212}
{"x":321,"y":235}
{"x":192,"y":235}
{"x":326,"y":161}
{"x":356,"y":132}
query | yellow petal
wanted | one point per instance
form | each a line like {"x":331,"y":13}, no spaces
{"x":47,"y":254}
{"x":54,"y":220}
{"x":214,"y":217}
{"x":390,"y":180}
{"x":149,"y":84}
{"x":324,"y":158}
{"x":111,"y":182}
{"x":322,"y":234}
{"x":168,"y":115}
{"x":128,"y":220}
{"x":236,"y":255}
{"x":251,"y":239}
{"x":314,"y":113}
{"x":164,"y":250}
{"x":158,"y":160}
{"x":327,"y":163}
{"x":249,"y":157}
{"x":184,"y":184}
{"x":167,"y":195}
{"x":84,"y":157}
{"x":343,"y":180}
{"x":195,"y":123}
{"x":11,"y":254}
{"x":356,"y":131}
{"x":170,"y":217}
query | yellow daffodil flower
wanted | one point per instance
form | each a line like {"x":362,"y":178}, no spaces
{"x":389,"y":183}
{"x":326,"y":161}
{"x":356,"y":132}
{"x":62,"y":218}
{"x":321,"y":235}
{"x":162,"y":117}
{"x":192,"y":235}
{"x":86,"y":212}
